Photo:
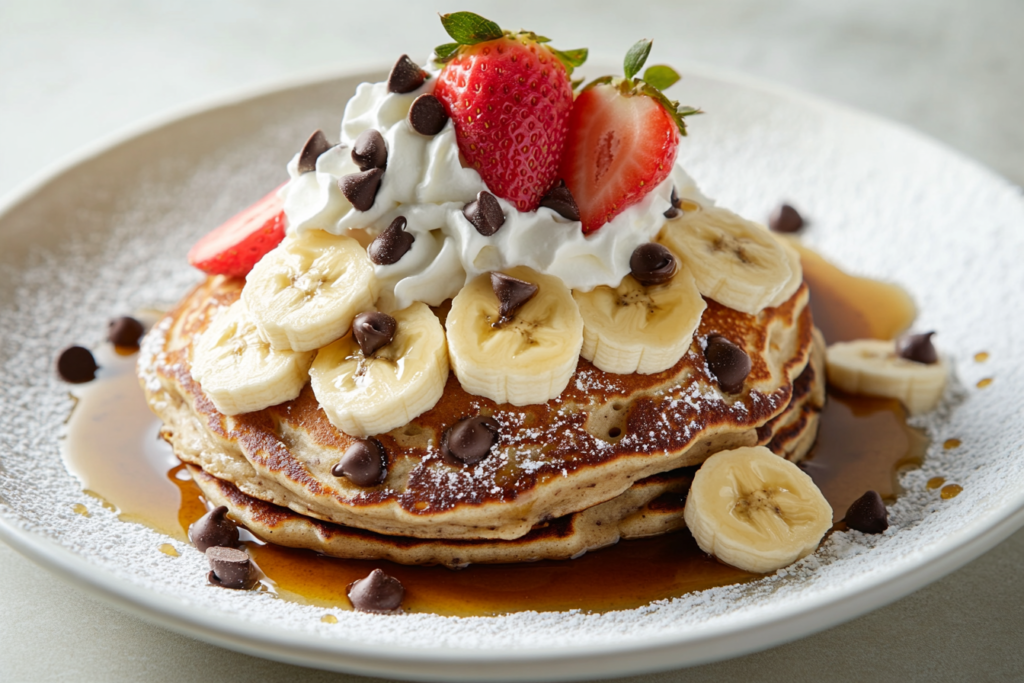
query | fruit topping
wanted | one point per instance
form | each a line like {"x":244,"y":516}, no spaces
{"x":471,"y":439}
{"x":125,"y":332}
{"x":652,"y":264}
{"x":76,"y":364}
{"x":873,"y":367}
{"x":509,"y":96}
{"x":377,"y":593}
{"x":561,"y":201}
{"x":868,"y":514}
{"x":406,"y":75}
{"x":373,"y":330}
{"x":364,"y":463}
{"x":785,"y":219}
{"x":230,"y":568}
{"x":484,"y":213}
{"x":512,"y":294}
{"x":392,"y":244}
{"x":917,"y":348}
{"x":235,"y":247}
{"x":315,"y":146}
{"x":213,"y":530}
{"x":361,"y":188}
{"x":369,"y":151}
{"x":427,"y":115}
{"x":727,"y":362}
{"x":622,"y":140}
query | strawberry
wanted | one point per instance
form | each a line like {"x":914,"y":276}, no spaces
{"x":623,"y":138}
{"x":509,"y":97}
{"x":235,"y":247}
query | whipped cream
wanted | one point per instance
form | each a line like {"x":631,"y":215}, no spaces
{"x":426,"y":183}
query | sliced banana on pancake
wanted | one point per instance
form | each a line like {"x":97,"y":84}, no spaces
{"x":633,"y":328}
{"x":796,"y":276}
{"x":755,"y":510}
{"x":872,"y":367}
{"x":734,"y":261}
{"x":239,"y":371}
{"x":363,"y":396}
{"x":526,"y":358}
{"x":304,"y":294}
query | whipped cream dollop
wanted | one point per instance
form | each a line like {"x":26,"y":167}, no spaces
{"x":426,"y":182}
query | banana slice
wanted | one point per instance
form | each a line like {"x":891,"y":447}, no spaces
{"x":366,"y":396}
{"x":755,"y":510}
{"x":871,"y":366}
{"x":239,"y":371}
{"x":524,"y":361}
{"x":633,"y":328}
{"x":796,"y":276}
{"x":734,"y":261}
{"x":304,"y":294}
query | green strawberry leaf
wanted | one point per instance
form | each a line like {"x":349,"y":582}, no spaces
{"x":571,"y":59}
{"x":469,"y":29}
{"x":677,"y":112}
{"x":661,"y":76}
{"x":636,"y":57}
{"x":443,"y":52}
{"x":576,"y":83}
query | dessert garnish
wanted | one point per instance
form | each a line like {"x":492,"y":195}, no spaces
{"x":560,"y":200}
{"x":364,"y":463}
{"x":652,"y":264}
{"x":392,"y":244}
{"x":873,"y":367}
{"x":484,"y":213}
{"x":427,"y":115}
{"x":674,"y":210}
{"x":373,"y":330}
{"x":76,"y":364}
{"x":370,"y":151}
{"x":727,"y":362}
{"x":125,"y":332}
{"x":315,"y":146}
{"x":230,"y":568}
{"x":917,"y":348}
{"x":406,"y":75}
{"x":377,"y":593}
{"x":868,"y":514}
{"x":785,"y":219}
{"x":213,"y":530}
{"x":470,"y":439}
{"x":512,"y":294}
{"x":361,"y":188}
{"x":235,"y":247}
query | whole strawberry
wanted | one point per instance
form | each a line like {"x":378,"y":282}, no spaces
{"x":509,"y":97}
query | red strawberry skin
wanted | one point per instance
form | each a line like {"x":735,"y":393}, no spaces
{"x":509,"y":100}
{"x":619,"y":148}
{"x":235,"y":247}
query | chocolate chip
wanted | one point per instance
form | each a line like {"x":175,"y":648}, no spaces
{"x":673,"y":210}
{"x":361,"y":188}
{"x":125,"y":332}
{"x":315,"y":146}
{"x":370,"y":151}
{"x":363,"y":464}
{"x":512,"y":294}
{"x":373,"y":330}
{"x":470,"y":439}
{"x":560,"y":200}
{"x":406,"y":75}
{"x":728,"y":363}
{"x":378,"y":593}
{"x":230,"y":567}
{"x":213,"y":530}
{"x":652,"y":264}
{"x":75,"y":364}
{"x":392,"y":244}
{"x":427,"y":115}
{"x":785,"y":219}
{"x":485,"y":213}
{"x":868,"y":514}
{"x":918,"y":348}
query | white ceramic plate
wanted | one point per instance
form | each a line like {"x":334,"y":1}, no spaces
{"x":108,"y":232}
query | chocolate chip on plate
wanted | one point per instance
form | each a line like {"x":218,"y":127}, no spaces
{"x":485,"y":213}
{"x":918,"y":348}
{"x":727,"y":362}
{"x":470,"y":439}
{"x":673,"y":210}
{"x":363,"y":464}
{"x":361,"y":188}
{"x":370,"y":150}
{"x":230,"y":568}
{"x":406,"y":75}
{"x":512,"y":293}
{"x":213,"y":530}
{"x":125,"y":332}
{"x":427,"y":115}
{"x":652,"y":264}
{"x":868,"y":514}
{"x":75,"y":364}
{"x":378,"y":593}
{"x":315,"y":146}
{"x":373,"y":330}
{"x":785,"y":219}
{"x":560,"y":200}
{"x":392,"y":244}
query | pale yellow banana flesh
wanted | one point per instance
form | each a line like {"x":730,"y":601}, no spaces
{"x":871,"y":367}
{"x":796,"y":276}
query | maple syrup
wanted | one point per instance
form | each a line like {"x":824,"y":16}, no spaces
{"x":863,"y":444}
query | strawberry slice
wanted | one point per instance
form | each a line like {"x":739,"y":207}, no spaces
{"x":235,"y":247}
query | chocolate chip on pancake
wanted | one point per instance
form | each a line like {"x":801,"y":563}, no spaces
{"x":315,"y":146}
{"x":76,"y":364}
{"x":370,"y":151}
{"x":673,"y":211}
{"x":485,"y":213}
{"x":363,"y":464}
{"x":470,"y":439}
{"x":728,"y":363}
{"x":230,"y":568}
{"x":406,"y":75}
{"x":392,"y":244}
{"x":377,"y":593}
{"x":785,"y":219}
{"x":652,"y":264}
{"x":917,"y":348}
{"x":213,"y":530}
{"x":427,"y":115}
{"x":373,"y":330}
{"x":868,"y":514}
{"x":361,"y":188}
{"x":560,"y":200}
{"x":512,"y":293}
{"x":124,"y":332}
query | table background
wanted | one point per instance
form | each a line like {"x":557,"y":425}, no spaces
{"x":72,"y":72}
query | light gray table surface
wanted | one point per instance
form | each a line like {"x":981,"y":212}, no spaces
{"x":72,"y":72}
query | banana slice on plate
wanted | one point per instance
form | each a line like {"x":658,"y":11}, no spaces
{"x":363,"y":396}
{"x":633,"y":328}
{"x":755,"y":510}
{"x":239,"y":371}
{"x":525,"y":359}
{"x":872,"y":367}
{"x":734,"y":261}
{"x":304,"y":294}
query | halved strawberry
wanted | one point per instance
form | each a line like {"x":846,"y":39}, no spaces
{"x":235,"y":247}
{"x":623,"y":138}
